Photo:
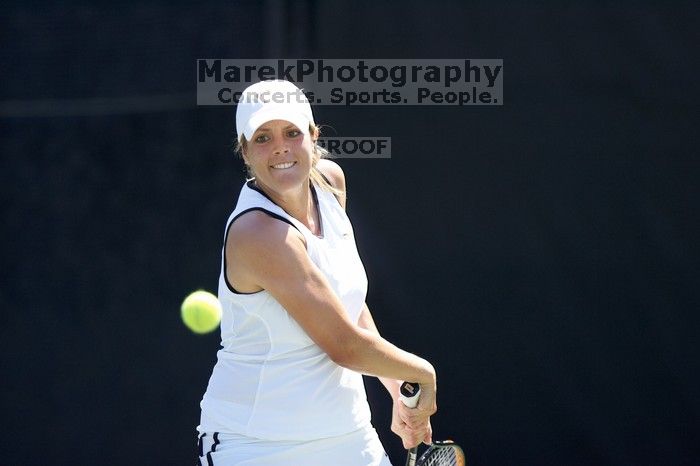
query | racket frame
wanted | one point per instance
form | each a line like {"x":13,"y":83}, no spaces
{"x":409,"y":395}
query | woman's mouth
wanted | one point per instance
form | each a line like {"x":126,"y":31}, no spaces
{"x":283,"y":165}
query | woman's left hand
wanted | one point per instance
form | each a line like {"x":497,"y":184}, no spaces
{"x":411,"y":424}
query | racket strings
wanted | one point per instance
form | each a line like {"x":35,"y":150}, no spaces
{"x":442,"y":456}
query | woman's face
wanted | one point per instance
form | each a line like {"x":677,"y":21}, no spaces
{"x":280,"y":156}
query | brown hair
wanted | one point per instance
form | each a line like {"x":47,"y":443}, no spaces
{"x":317,"y":178}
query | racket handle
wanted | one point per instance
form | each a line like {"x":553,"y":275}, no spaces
{"x":409,"y":394}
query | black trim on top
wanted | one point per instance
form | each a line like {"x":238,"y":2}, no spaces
{"x":325,"y":178}
{"x":314,"y":195}
{"x":251,"y":184}
{"x":337,"y":197}
{"x":271,"y":214}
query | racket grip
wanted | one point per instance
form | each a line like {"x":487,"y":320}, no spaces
{"x":409,"y":394}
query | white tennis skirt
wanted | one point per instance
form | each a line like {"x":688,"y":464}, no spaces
{"x":359,"y":448}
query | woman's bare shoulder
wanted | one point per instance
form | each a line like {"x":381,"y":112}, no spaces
{"x":257,"y":228}
{"x":333,"y":172}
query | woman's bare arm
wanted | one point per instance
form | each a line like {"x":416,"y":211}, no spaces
{"x":271,"y":255}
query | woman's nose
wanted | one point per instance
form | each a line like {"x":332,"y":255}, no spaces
{"x":281,"y":149}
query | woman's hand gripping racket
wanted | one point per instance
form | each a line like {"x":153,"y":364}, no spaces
{"x":440,"y":453}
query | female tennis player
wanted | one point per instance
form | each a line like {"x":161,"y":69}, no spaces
{"x":296,"y":334}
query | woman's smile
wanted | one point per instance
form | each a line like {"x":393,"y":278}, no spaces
{"x":283,"y":165}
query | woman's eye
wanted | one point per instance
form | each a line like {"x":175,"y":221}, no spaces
{"x":293,"y":133}
{"x":262,"y":138}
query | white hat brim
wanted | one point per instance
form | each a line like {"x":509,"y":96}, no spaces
{"x":275,"y":113}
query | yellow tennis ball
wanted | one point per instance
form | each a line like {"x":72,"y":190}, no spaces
{"x":201,"y":311}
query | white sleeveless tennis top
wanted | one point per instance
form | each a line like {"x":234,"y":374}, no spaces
{"x":271,"y":381}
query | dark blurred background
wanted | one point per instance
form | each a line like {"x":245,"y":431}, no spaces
{"x":542,"y":254}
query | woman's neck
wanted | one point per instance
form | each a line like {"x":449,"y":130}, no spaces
{"x":297,"y":203}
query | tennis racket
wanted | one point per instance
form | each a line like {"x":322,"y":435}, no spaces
{"x":440,"y":453}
